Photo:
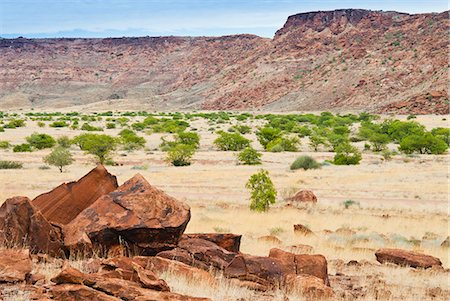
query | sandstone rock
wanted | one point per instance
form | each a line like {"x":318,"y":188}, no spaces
{"x":65,"y":202}
{"x":78,"y":292}
{"x":228,"y":241}
{"x":407,"y":258}
{"x":161,"y":265}
{"x":21,"y":224}
{"x":136,"y":215}
{"x":184,"y":256}
{"x":303,"y":196}
{"x":446,"y":243}
{"x":308,"y":286}
{"x":315,"y":265}
{"x":270,"y":239}
{"x":303,"y":230}
{"x":265,"y":271}
{"x":15,"y":265}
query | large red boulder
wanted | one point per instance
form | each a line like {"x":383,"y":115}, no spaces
{"x":15,"y":265}
{"x":65,"y":202}
{"x":314,"y":265}
{"x":136,"y":215}
{"x":228,"y":241}
{"x":21,"y":224}
{"x":303,"y":196}
{"x":407,"y":258}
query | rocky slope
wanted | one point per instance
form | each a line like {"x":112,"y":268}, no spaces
{"x":336,"y":60}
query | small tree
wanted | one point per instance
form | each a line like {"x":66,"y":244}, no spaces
{"x":305,"y":162}
{"x":249,"y":156}
{"x":347,"y":154}
{"x":379,"y":141}
{"x":316,"y":140}
{"x":267,"y":134}
{"x":180,"y":154}
{"x":423,"y":144}
{"x":59,"y":157}
{"x":64,"y":141}
{"x":98,"y":145}
{"x":263,"y":192}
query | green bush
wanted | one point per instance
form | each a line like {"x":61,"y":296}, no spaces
{"x":180,"y":155}
{"x":99,"y":145}
{"x":379,"y":141}
{"x":424,"y":143}
{"x":288,"y":144}
{"x":347,"y":154}
{"x":5,"y":144}
{"x":10,"y":165}
{"x":249,"y":156}
{"x":64,"y":141}
{"x":21,"y":148}
{"x":59,"y":157}
{"x":110,"y":125}
{"x":243,"y":129}
{"x":231,"y":141}
{"x":41,"y":141}
{"x":15,"y":123}
{"x":305,"y":162}
{"x":90,"y":128}
{"x":267,"y":134}
{"x":316,"y":140}
{"x":188,"y":138}
{"x":397,"y":130}
{"x":58,"y":124}
{"x":41,"y":124}
{"x":262,"y":191}
{"x":442,"y":133}
{"x":131,"y":141}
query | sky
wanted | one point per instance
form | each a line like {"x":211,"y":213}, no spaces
{"x":117,"y":18}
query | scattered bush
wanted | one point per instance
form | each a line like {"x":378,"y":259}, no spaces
{"x":305,"y":162}
{"x":131,"y":141}
{"x":15,"y":123}
{"x":58,"y":124}
{"x":288,"y":144}
{"x":5,"y":144}
{"x":424,"y":143}
{"x":10,"y":165}
{"x":180,"y":155}
{"x":90,"y":128}
{"x":21,"y":148}
{"x":249,"y":156}
{"x":379,"y":141}
{"x":59,"y":157}
{"x":231,"y":142}
{"x":41,"y":141}
{"x":348,"y":203}
{"x":41,"y":124}
{"x":243,"y":129}
{"x":64,"y":141}
{"x":110,"y":125}
{"x":99,"y":145}
{"x":267,"y":134}
{"x":262,"y":190}
{"x":347,"y":154}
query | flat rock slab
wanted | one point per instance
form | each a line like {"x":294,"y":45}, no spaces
{"x":15,"y":265}
{"x":407,"y":258}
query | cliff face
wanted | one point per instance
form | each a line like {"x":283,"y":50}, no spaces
{"x":336,"y":60}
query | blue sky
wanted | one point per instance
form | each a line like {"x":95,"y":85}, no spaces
{"x":116,"y":18}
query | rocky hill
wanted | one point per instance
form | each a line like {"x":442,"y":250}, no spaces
{"x":339,"y":60}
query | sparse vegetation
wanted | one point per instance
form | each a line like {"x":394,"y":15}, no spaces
{"x":305,"y":162}
{"x":262,"y":190}
{"x":249,"y":156}
{"x":59,"y":157}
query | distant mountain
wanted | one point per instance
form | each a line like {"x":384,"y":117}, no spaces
{"x":340,"y":60}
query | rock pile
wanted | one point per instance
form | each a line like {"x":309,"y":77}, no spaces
{"x":135,"y":219}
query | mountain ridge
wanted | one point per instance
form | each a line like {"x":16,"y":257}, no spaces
{"x":347,"y":59}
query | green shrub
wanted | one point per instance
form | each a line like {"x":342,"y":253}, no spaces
{"x":21,"y":148}
{"x":231,"y":141}
{"x":180,"y":155}
{"x":305,"y":162}
{"x":379,"y":141}
{"x":90,"y":128}
{"x":41,"y":141}
{"x":131,"y":140}
{"x":5,"y":144}
{"x":110,"y":125}
{"x":170,"y":126}
{"x":243,"y":129}
{"x":267,"y":134}
{"x":10,"y":165}
{"x":1,"y":129}
{"x":288,"y":144}
{"x":348,"y":203}
{"x":99,"y":145}
{"x":41,"y":124}
{"x":64,"y":141}
{"x":15,"y":123}
{"x":424,"y":143}
{"x":262,"y":191}
{"x":347,"y":154}
{"x":442,"y":133}
{"x":397,"y":130}
{"x":188,"y":138}
{"x":58,"y":124}
{"x":249,"y":156}
{"x":138,"y":126}
{"x":316,"y":140}
{"x":59,"y":157}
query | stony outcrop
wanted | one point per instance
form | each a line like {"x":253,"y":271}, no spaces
{"x":302,"y":230}
{"x":303,"y":196}
{"x":65,"y":202}
{"x":407,"y":258}
{"x":136,"y":215}
{"x":228,"y":241}
{"x":21,"y":224}
{"x":15,"y":265}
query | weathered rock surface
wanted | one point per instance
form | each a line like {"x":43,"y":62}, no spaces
{"x":407,"y":258}
{"x":65,"y":202}
{"x":308,"y":286}
{"x":15,"y":265}
{"x":446,"y":243}
{"x":228,"y":241}
{"x":314,"y":265}
{"x":303,"y":196}
{"x":136,"y":215}
{"x":21,"y":224}
{"x":302,"y":230}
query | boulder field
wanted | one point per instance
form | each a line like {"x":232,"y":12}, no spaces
{"x":138,"y":231}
